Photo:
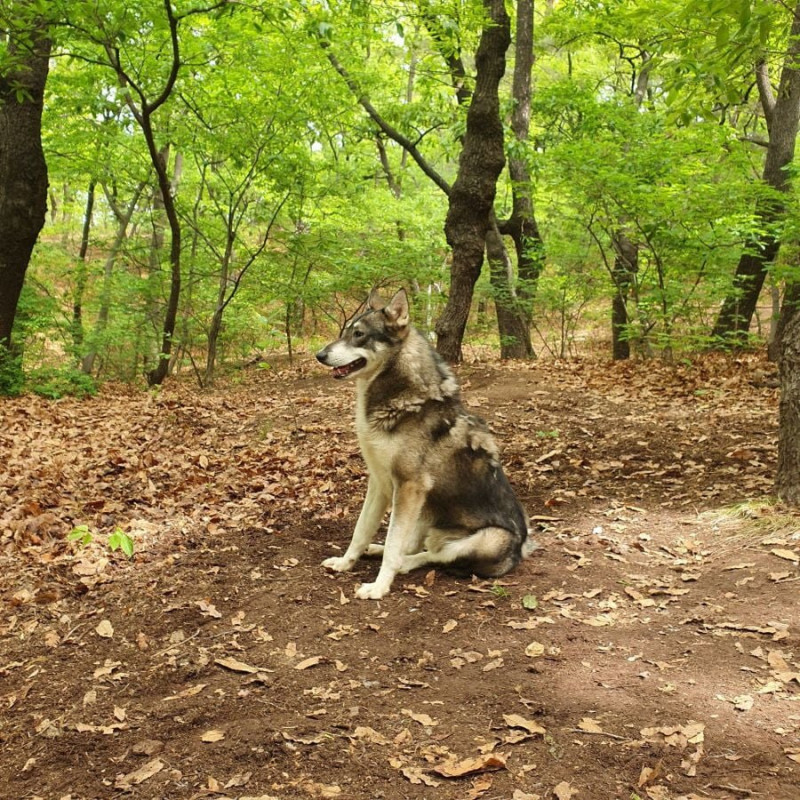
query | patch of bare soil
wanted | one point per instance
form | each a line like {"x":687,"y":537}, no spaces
{"x":649,"y":648}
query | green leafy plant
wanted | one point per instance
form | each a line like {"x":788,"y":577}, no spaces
{"x":118,"y":540}
{"x":80,"y":534}
{"x":54,"y":383}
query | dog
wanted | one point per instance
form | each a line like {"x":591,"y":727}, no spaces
{"x":435,"y":465}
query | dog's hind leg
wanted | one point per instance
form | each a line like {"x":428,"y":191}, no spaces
{"x":375,"y":505}
{"x":488,"y":552}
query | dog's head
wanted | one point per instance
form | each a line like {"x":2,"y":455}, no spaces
{"x":369,"y":338}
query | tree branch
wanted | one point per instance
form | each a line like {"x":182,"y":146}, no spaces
{"x":387,"y":129}
{"x":765,"y":91}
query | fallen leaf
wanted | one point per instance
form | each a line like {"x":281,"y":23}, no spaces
{"x":788,"y":555}
{"x":589,"y":725}
{"x":534,"y":650}
{"x":518,"y":721}
{"x":422,"y":719}
{"x":145,"y":772}
{"x":368,"y":734}
{"x":308,"y":662}
{"x":208,"y":609}
{"x":105,"y":629}
{"x":236,"y":665}
{"x":470,"y":766}
{"x":212,"y":736}
{"x":450,"y":625}
{"x":417,"y":776}
{"x":564,"y":791}
{"x":191,"y":691}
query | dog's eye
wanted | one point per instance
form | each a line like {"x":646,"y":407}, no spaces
{"x":357,"y":335}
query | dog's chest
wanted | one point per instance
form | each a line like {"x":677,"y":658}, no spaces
{"x":377,"y":445}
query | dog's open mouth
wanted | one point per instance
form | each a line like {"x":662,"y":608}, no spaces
{"x":349,"y":369}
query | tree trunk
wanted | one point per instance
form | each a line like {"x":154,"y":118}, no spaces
{"x":521,"y":225}
{"x":626,"y":264}
{"x":156,"y":375}
{"x":514,"y":331}
{"x":782,"y":114}
{"x":23,"y":171}
{"x":123,"y":220}
{"x":80,"y":274}
{"x":787,"y":480}
{"x":472,"y":194}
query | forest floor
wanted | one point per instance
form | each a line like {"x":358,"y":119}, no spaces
{"x":649,"y":649}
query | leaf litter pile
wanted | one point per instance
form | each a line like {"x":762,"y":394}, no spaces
{"x":649,"y":649}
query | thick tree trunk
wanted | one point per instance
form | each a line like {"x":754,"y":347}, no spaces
{"x":472,"y":194}
{"x":626,"y":264}
{"x":787,"y":480}
{"x":23,"y":171}
{"x":782,"y":113}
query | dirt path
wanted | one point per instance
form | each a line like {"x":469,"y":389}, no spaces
{"x":649,"y":649}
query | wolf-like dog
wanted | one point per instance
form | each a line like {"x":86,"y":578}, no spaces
{"x":435,"y":465}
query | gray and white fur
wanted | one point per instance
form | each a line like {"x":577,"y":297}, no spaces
{"x":432,"y":463}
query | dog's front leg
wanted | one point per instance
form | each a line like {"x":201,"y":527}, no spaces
{"x":375,"y":505}
{"x":407,"y":504}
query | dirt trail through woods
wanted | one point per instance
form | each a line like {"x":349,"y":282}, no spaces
{"x":649,"y":649}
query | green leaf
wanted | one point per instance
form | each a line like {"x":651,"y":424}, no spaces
{"x":119,"y":540}
{"x":530,"y":602}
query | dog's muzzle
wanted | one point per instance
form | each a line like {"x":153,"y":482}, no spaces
{"x":341,"y":370}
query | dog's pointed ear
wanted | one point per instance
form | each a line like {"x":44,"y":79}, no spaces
{"x":396,"y":311}
{"x":375,"y":301}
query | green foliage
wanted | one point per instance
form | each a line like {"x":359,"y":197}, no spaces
{"x":117,"y":540}
{"x":292,"y":203}
{"x":11,"y":377}
{"x":56,"y":382}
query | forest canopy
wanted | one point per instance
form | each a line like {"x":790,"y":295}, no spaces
{"x":229,"y":178}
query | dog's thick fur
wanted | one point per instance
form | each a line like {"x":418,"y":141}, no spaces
{"x":433,"y":463}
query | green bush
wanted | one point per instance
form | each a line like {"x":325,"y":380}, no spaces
{"x":11,"y":380}
{"x":53,"y":383}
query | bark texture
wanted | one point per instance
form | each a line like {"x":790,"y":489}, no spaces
{"x":521,"y":225}
{"x":782,"y":113}
{"x":787,"y":480}
{"x":626,"y":265}
{"x":473,"y":191}
{"x":23,"y":171}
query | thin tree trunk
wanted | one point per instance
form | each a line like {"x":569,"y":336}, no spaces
{"x":472,"y":194}
{"x":123,"y":220}
{"x":515,"y":339}
{"x":219,"y":307}
{"x":626,"y":264}
{"x":23,"y":171}
{"x":80,"y":273}
{"x":782,"y":114}
{"x":521,"y":226}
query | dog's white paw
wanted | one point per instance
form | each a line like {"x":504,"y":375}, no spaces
{"x":371,"y":591}
{"x":338,"y":563}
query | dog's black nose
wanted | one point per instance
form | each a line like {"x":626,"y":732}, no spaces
{"x":321,"y":356}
